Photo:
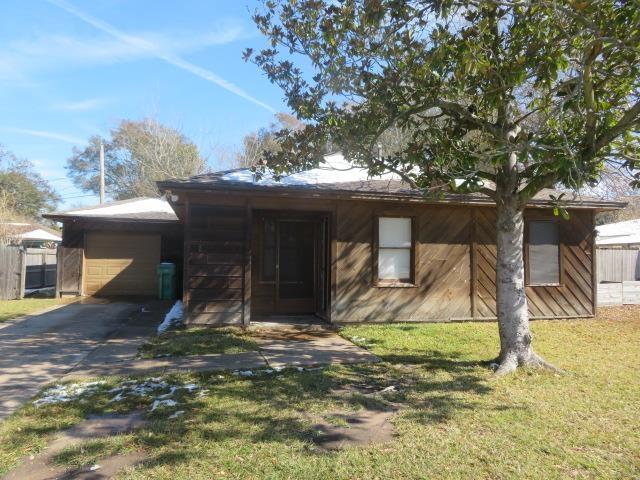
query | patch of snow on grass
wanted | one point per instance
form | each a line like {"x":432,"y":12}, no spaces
{"x":163,"y":403}
{"x":67,"y":393}
{"x":172,"y":318}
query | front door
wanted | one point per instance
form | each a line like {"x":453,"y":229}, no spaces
{"x":290,"y":264}
{"x":295,"y":266}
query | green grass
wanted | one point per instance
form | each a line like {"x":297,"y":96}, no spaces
{"x":455,"y":420}
{"x":198,"y":341}
{"x":10,"y":309}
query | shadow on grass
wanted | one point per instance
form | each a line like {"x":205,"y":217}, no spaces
{"x":430,"y":388}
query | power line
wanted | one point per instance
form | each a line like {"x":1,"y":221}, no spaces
{"x":77,"y":196}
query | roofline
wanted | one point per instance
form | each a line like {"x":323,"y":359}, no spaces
{"x":357,"y":195}
{"x":102,"y":205}
{"x":61,"y":217}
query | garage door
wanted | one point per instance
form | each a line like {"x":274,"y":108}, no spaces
{"x":121,"y":263}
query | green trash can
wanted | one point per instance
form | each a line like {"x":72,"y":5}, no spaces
{"x":166,"y":281}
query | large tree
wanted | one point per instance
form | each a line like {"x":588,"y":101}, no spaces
{"x":503,"y":97}
{"x":256,"y":145}
{"x":137,"y":155}
{"x":24,"y":193}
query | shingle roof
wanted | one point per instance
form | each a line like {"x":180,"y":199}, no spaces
{"x":340,"y":178}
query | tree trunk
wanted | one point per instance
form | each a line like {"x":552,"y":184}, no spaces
{"x":513,"y":315}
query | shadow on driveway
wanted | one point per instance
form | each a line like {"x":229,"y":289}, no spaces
{"x":42,"y":348}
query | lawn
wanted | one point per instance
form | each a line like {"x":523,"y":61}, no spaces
{"x":454,"y":419}
{"x":10,"y":309}
{"x":198,"y":341}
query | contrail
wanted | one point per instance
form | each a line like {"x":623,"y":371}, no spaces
{"x":170,"y":58}
{"x":45,"y":134}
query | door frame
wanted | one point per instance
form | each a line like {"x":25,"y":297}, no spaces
{"x":322,"y":284}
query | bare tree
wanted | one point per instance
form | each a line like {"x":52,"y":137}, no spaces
{"x":256,"y":144}
{"x":138,"y":154}
{"x":7,"y":214}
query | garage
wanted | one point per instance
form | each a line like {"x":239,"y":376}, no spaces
{"x":121,"y":263}
{"x":113,"y":249}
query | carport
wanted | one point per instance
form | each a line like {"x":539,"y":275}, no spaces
{"x":113,"y":249}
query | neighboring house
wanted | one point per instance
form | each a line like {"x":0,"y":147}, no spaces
{"x":334,"y":243}
{"x":30,"y":235}
{"x":620,"y":234}
{"x":618,"y":260}
{"x":114,"y":248}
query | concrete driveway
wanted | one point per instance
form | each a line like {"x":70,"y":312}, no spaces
{"x":42,"y":348}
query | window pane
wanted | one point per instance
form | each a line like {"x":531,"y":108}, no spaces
{"x":394,"y":232}
{"x":394,"y":263}
{"x":544,"y":246}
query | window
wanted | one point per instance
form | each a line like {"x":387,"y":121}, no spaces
{"x":395,"y":250}
{"x":544,"y":253}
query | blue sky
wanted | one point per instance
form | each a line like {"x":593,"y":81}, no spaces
{"x":73,"y":68}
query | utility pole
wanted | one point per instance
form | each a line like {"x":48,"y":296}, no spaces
{"x":101,"y":172}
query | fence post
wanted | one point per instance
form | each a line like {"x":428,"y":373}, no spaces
{"x":23,"y":271}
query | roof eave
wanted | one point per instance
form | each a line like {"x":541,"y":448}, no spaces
{"x":67,"y":218}
{"x":353,"y":194}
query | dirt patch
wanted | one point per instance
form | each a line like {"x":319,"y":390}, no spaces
{"x":340,"y":430}
{"x":42,"y":466}
{"x":300,"y":336}
{"x":370,"y":425}
{"x":108,"y":467}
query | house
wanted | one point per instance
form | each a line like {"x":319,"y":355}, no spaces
{"x":619,"y":234}
{"x":30,"y":235}
{"x":113,"y":249}
{"x":333,"y":243}
{"x":618,"y":263}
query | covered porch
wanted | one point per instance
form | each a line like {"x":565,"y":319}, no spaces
{"x":261,"y":262}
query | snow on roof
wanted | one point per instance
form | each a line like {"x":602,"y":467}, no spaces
{"x":39,"y":234}
{"x":627,"y":232}
{"x":335,"y":169}
{"x":31,"y":231}
{"x":136,"y":205}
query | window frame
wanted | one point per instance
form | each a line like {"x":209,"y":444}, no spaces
{"x":394,"y":283}
{"x":527,"y":253}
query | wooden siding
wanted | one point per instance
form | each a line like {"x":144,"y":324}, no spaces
{"x":455,"y":258}
{"x":443,"y":273}
{"x":455,"y":267}
{"x":573,"y":297}
{"x":215,"y":267}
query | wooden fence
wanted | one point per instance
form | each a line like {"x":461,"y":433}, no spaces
{"x":12,"y":272}
{"x":618,"y":276}
{"x":25,"y":269}
{"x":41,"y":268}
{"x":618,"y":264}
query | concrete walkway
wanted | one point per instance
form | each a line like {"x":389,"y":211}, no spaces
{"x":276,"y":349}
{"x":101,"y":338}
{"x":39,"y":349}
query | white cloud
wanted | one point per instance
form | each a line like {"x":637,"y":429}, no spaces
{"x":81,"y":105}
{"x":168,"y":47}
{"x":62,"y":137}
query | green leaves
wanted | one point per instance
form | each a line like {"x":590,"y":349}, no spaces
{"x":380,"y":65}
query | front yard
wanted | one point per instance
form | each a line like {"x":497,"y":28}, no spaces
{"x":10,"y":309}
{"x":452,"y":420}
{"x":198,"y":341}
